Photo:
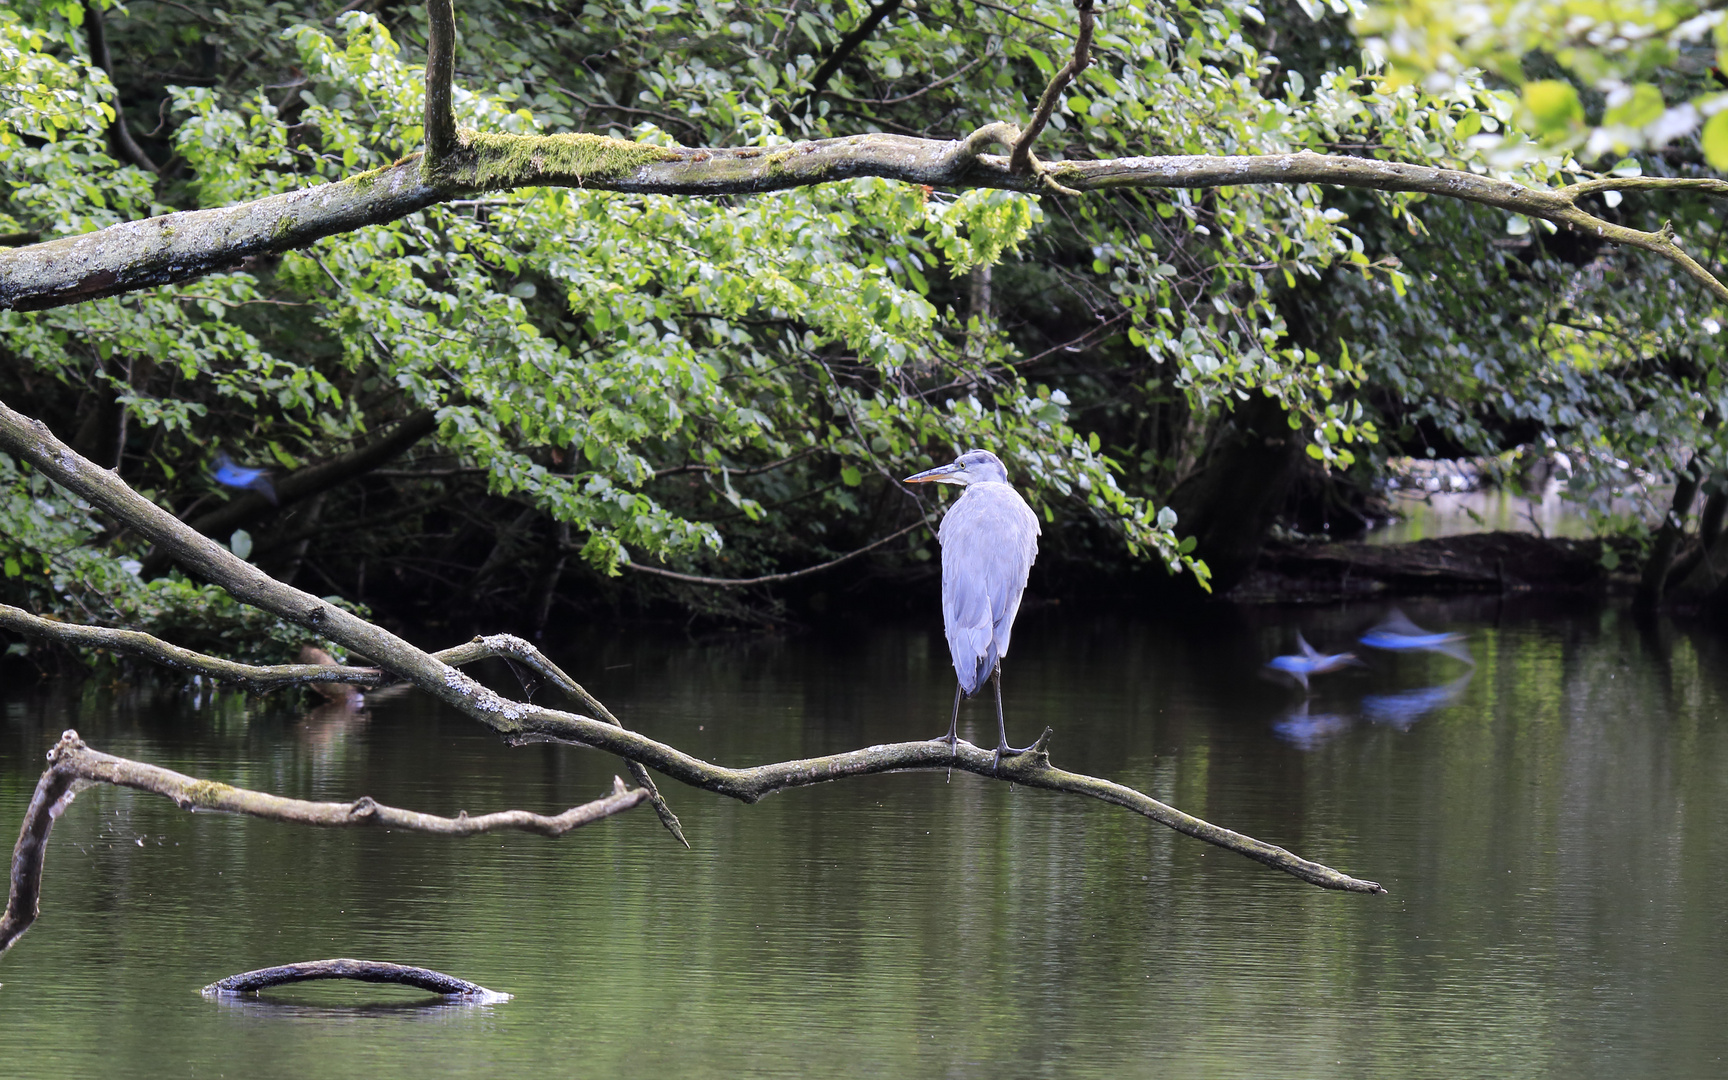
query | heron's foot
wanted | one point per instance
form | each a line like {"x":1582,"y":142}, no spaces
{"x":1009,"y":751}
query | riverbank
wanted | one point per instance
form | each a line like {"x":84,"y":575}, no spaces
{"x":1495,"y":562}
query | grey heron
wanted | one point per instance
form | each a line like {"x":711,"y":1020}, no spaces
{"x":989,"y":539}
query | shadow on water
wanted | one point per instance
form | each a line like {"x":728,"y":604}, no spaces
{"x":1553,"y":828}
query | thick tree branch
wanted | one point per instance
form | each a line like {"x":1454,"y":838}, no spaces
{"x":1020,"y":159}
{"x":72,"y":764}
{"x":175,"y":247}
{"x":770,"y":579}
{"x":32,"y":441}
{"x":304,"y":483}
{"x":372,"y":971}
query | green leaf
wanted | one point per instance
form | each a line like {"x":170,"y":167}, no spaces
{"x":1715,"y":140}
{"x":1643,"y":107}
{"x":850,"y":476}
{"x":1554,"y":104}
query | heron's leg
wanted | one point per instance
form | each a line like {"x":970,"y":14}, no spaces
{"x":1002,"y":746}
{"x":954,"y":722}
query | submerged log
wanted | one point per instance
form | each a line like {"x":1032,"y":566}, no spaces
{"x":372,"y":971}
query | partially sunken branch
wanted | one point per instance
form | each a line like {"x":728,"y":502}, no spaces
{"x":32,"y":441}
{"x":372,"y":971}
{"x":71,"y":764}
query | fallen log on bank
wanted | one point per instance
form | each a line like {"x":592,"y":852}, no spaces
{"x":1496,"y":562}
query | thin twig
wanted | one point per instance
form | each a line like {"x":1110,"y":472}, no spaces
{"x":770,"y":579}
{"x":752,"y":471}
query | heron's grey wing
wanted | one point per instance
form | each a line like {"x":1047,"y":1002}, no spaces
{"x":1017,"y":527}
{"x":966,"y":614}
{"x":989,"y":539}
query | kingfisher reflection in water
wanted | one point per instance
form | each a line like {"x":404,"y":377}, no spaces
{"x":1403,"y":709}
{"x":1305,"y":730}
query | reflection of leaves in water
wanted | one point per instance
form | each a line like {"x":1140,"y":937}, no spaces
{"x":1403,"y":709}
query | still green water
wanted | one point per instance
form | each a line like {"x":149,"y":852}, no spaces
{"x":1554,"y":833}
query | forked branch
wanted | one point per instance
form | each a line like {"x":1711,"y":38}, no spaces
{"x":1020,"y":160}
{"x":72,"y":765}
{"x":32,"y":441}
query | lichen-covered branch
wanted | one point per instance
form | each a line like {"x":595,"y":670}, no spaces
{"x":372,"y":971}
{"x":72,"y":763}
{"x":175,"y":247}
{"x":33,"y":442}
{"x":253,"y":677}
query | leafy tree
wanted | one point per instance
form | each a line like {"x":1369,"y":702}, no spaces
{"x":515,"y":385}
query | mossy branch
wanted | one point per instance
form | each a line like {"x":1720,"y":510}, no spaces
{"x":175,"y":247}
{"x":460,"y":162}
{"x":72,"y":765}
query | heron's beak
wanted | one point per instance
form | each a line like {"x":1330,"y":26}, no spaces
{"x":941,"y":474}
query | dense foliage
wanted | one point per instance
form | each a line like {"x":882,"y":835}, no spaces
{"x":730,"y":387}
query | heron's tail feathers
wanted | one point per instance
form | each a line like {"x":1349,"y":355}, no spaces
{"x":974,"y":653}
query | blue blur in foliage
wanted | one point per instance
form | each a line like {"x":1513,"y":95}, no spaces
{"x":1311,"y":661}
{"x":1398,"y":634}
{"x":231,"y":475}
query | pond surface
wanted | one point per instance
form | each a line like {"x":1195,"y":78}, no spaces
{"x":1553,"y":830}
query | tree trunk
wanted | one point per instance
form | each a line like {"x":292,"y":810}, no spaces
{"x":1668,"y":537}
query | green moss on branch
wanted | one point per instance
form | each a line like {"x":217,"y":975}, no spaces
{"x":486,"y":161}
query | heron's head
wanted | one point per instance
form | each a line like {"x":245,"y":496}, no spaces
{"x":972,"y":467}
